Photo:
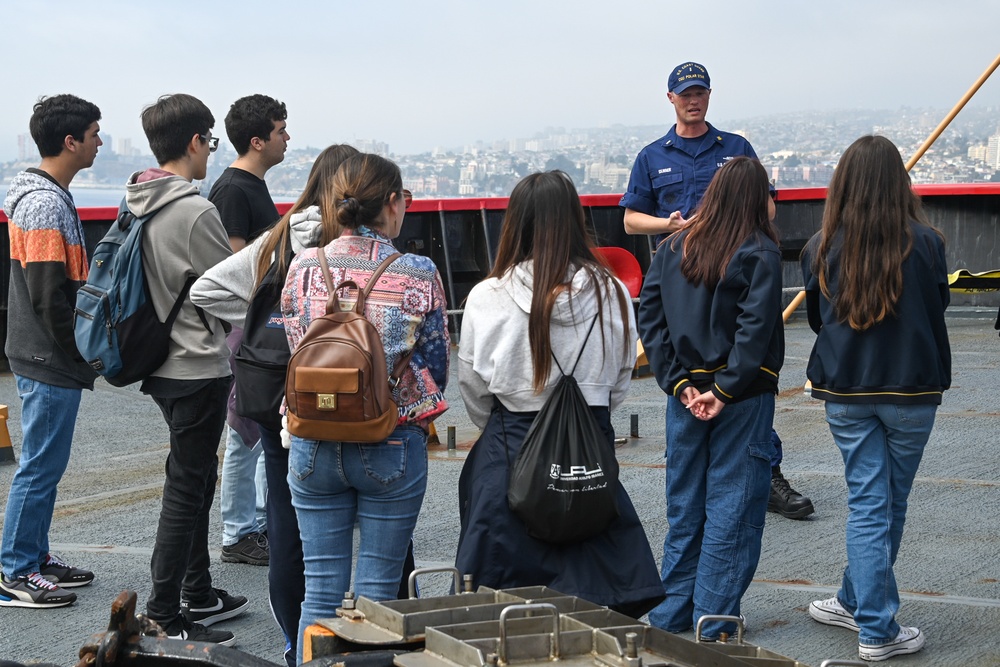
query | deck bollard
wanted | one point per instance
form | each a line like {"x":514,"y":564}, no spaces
{"x":6,"y":448}
{"x":635,"y":425}
{"x":451,"y":438}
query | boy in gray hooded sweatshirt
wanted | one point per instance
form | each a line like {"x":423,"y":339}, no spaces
{"x":183,"y":240}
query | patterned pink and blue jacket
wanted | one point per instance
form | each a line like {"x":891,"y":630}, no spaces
{"x":407,"y":308}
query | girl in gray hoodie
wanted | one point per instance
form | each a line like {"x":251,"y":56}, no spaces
{"x":226,"y":291}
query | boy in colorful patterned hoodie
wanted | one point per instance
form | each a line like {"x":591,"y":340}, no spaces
{"x":48,"y":265}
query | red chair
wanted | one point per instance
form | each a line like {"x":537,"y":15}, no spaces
{"x":625,"y":266}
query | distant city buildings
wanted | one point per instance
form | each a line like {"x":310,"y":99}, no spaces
{"x":614,"y":177}
{"x":26,"y":149}
{"x":992,"y":153}
{"x":798,"y":150}
{"x":371,"y":146}
{"x":125,"y":148}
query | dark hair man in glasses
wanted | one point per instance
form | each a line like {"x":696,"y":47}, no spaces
{"x":48,"y":265}
{"x":182,"y":241}
{"x":668,"y":180}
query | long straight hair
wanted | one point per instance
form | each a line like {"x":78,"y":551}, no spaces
{"x":318,"y":192}
{"x":545,"y":224}
{"x":735,"y":207}
{"x":869,"y":205}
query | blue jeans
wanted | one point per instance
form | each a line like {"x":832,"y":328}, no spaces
{"x":244,"y":490}
{"x":778,"y":456}
{"x":335,"y":484}
{"x":718,"y":481}
{"x":882,"y":445}
{"x":48,"y":418}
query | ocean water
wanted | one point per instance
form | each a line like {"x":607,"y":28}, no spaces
{"x":85,"y":197}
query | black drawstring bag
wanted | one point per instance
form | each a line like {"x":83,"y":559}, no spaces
{"x":564,"y":481}
{"x":263,"y":354}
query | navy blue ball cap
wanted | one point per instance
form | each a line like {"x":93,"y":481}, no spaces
{"x":684,"y":76}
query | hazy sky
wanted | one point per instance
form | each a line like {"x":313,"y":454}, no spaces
{"x":444,"y":73}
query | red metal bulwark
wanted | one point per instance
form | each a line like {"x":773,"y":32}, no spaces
{"x":602,"y":201}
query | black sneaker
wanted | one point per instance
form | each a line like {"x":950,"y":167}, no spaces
{"x":785,"y":500}
{"x":33,"y":591}
{"x":64,"y":575}
{"x":223,"y":606}
{"x":181,"y":628}
{"x":251,"y":549}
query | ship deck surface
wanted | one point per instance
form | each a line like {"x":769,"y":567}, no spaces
{"x":948,"y":568}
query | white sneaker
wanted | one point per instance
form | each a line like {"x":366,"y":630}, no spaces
{"x":831,"y":612}
{"x":909,"y":640}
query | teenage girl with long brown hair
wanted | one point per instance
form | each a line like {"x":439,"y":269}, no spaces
{"x":710,"y":319}
{"x":537,"y":304}
{"x":876,"y":291}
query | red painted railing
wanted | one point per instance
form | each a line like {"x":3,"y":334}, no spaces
{"x":500,"y":203}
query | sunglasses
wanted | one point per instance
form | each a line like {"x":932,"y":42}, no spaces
{"x":407,"y":198}
{"x":213,"y":142}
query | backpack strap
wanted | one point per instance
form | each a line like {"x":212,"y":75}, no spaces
{"x":333,"y":302}
{"x":582,"y":348}
{"x":124,"y":221}
{"x":378,"y":271}
{"x":125,"y":216}
{"x":403,"y":361}
{"x":180,"y":302}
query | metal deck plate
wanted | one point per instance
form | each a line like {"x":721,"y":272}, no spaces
{"x":472,"y":629}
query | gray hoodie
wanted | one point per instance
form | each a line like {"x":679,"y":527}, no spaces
{"x":185,"y":238}
{"x":225,"y":290}
{"x":494,"y":357}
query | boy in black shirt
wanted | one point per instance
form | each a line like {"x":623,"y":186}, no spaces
{"x":256,"y":127}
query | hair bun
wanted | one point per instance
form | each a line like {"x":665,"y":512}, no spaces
{"x":348,"y":210}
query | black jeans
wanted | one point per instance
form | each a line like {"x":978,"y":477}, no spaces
{"x":180,"y":561}
{"x":286,"y":575}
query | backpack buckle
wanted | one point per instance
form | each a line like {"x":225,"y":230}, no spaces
{"x":326,"y":401}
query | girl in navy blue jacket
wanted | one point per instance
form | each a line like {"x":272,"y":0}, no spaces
{"x":710,"y":321}
{"x":876,"y":291}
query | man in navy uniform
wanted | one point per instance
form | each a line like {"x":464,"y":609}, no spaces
{"x":666,"y":185}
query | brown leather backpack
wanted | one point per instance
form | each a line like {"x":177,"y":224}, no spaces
{"x":337,"y":386}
